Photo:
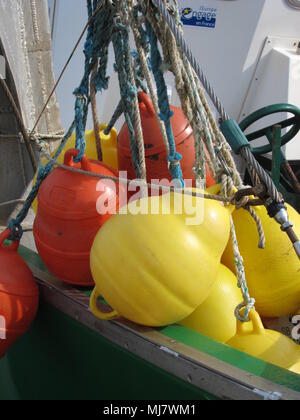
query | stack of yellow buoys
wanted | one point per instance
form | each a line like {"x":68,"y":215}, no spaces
{"x":273,"y":278}
{"x":273,"y":274}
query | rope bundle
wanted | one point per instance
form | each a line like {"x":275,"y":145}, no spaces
{"x":156,"y":52}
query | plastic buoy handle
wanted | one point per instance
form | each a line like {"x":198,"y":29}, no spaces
{"x":3,"y":237}
{"x":146,"y":103}
{"x":105,"y":316}
{"x":69,"y":160}
{"x":258,"y":327}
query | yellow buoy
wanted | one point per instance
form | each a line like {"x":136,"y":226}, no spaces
{"x":155,"y":269}
{"x":273,"y":274}
{"x":268,"y":345}
{"x":108,"y":145}
{"x":215,"y":317}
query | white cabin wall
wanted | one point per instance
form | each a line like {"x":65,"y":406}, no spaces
{"x":228,"y":53}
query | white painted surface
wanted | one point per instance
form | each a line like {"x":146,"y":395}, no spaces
{"x":229,"y":53}
{"x":25,"y":35}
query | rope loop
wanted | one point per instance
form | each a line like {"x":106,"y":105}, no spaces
{"x":80,"y":106}
{"x":242,"y":203}
{"x":175,"y":159}
{"x":16,"y":230}
{"x":244,"y":308}
{"x":165,"y":116}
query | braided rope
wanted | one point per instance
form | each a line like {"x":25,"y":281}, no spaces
{"x":93,"y":91}
{"x":248,"y":303}
{"x":190,"y":104}
{"x":245,"y":152}
{"x":58,"y":135}
{"x":188,"y":53}
{"x":205,"y":125}
{"x":260,"y":229}
{"x":139,"y":129}
{"x":123,"y":14}
{"x":173,"y":62}
{"x":128,"y":90}
{"x":147,"y":75}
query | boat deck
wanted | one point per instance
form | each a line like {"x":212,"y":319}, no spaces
{"x":208,"y":369}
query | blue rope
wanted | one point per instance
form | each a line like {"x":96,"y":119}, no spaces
{"x":96,"y":47}
{"x":165,"y":112}
{"x":82,"y":91}
{"x":122,"y":50}
{"x":101,"y":40}
{"x":138,"y":73}
{"x":80,"y":123}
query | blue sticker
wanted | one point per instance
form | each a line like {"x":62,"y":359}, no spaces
{"x":204,"y":16}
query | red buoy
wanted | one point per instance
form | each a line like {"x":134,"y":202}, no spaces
{"x":155,"y":153}
{"x":69,"y":217}
{"x":19,"y":294}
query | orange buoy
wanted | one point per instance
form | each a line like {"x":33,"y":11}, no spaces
{"x":19,"y":294}
{"x":71,"y":209}
{"x":155,"y":153}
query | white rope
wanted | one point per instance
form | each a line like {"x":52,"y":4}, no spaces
{"x":147,"y":75}
{"x":248,"y":303}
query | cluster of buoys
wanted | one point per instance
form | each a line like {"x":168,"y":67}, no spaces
{"x":153,"y":268}
{"x":19,"y":295}
{"x":67,"y":215}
